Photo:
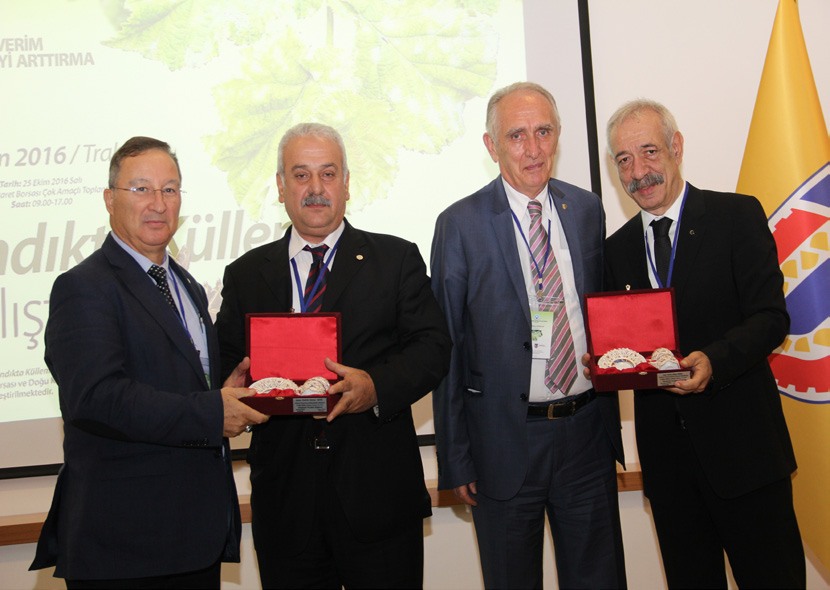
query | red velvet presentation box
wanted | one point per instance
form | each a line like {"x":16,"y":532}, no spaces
{"x":642,"y":320}
{"x":292,"y":346}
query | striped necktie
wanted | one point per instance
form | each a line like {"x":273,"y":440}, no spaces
{"x":561,"y":369}
{"x":319,"y":253}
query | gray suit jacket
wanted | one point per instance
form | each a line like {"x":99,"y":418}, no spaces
{"x":481,"y":407}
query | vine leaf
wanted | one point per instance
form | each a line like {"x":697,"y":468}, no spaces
{"x":190,"y":32}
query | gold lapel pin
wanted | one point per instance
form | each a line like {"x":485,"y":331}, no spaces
{"x":359,"y":256}
{"x":564,"y":205}
{"x":691,"y":232}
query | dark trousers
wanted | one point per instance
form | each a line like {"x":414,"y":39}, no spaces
{"x":758,"y":530}
{"x":334,"y":557}
{"x":208,"y":578}
{"x":571,"y":477}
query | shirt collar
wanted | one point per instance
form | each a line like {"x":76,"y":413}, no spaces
{"x":672,"y":212}
{"x":144,"y":262}
{"x":518,"y":202}
{"x":296,"y":243}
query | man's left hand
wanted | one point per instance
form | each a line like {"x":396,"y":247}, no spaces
{"x":357,"y":388}
{"x":701,"y":368}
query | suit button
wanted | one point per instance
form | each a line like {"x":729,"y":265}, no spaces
{"x":526,"y":345}
{"x":523,"y":397}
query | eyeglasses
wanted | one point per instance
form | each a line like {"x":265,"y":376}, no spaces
{"x":167,"y":191}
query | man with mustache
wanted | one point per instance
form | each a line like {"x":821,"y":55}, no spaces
{"x":520,"y":432}
{"x":714,"y":449}
{"x":341,"y":501}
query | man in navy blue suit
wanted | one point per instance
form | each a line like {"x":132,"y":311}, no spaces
{"x":146,"y":497}
{"x":519,"y":430}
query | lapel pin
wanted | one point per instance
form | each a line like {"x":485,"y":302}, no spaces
{"x":691,"y":232}
{"x":359,"y":256}
{"x":628,"y":287}
{"x":564,"y":205}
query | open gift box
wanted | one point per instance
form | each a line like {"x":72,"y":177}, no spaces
{"x":292,"y":346}
{"x":643,"y":321}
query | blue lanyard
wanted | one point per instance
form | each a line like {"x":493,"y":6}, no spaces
{"x":305,"y":300}
{"x":539,"y":271}
{"x":673,"y":246}
{"x":180,"y":310}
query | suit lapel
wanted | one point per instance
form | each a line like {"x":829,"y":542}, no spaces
{"x":147,"y":295}
{"x":277,"y":274}
{"x":502,"y":223}
{"x":197,"y":297}
{"x":634,"y":243}
{"x":350,"y":258}
{"x":562,"y":207}
{"x":690,"y":236}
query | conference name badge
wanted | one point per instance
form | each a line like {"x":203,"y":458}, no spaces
{"x":541,"y":332}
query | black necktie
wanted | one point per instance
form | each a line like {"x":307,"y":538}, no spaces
{"x":160,"y":276}
{"x":662,"y":248}
{"x":319,"y":253}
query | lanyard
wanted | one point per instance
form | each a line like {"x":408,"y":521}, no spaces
{"x":305,"y":300}
{"x":180,"y":310}
{"x":673,"y":246}
{"x":539,"y":271}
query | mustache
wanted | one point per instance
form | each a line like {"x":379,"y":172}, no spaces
{"x":645,"y":182}
{"x":312,"y":200}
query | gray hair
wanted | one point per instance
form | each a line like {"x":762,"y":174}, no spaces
{"x":135,"y":146}
{"x":310,"y":129}
{"x":492,"y":114}
{"x":633,"y":109}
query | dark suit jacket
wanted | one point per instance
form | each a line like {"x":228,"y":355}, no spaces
{"x":393,"y":329}
{"x":730,"y":305}
{"x":146,"y":488}
{"x":481,"y":407}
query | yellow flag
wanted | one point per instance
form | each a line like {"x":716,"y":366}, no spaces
{"x":787,"y":166}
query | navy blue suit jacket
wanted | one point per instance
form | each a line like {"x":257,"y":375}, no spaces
{"x":146,"y":488}
{"x":480,"y":409}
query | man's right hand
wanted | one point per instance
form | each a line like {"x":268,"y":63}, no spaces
{"x":237,"y":414}
{"x":466,"y":493}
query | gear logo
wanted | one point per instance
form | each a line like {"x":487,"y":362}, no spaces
{"x":801,"y":227}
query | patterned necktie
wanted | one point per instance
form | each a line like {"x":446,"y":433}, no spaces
{"x":318,"y":253}
{"x":662,"y":248}
{"x":160,"y":276}
{"x":561,"y":370}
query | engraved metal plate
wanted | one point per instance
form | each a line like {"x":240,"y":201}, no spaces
{"x":668,"y":379}
{"x":308,"y":405}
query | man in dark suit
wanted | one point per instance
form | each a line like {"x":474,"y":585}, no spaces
{"x":146,"y":497}
{"x":519,"y":431}
{"x":341,"y":501}
{"x":714,"y":449}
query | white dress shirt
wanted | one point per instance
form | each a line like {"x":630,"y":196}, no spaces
{"x":303,"y":259}
{"x":672,"y":213}
{"x":539,"y":392}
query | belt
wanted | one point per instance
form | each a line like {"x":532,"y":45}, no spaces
{"x":561,"y":408}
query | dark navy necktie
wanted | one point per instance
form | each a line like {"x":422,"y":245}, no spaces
{"x":319,"y":254}
{"x":662,"y":248}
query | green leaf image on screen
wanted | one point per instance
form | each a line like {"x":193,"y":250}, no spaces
{"x":389,"y":76}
